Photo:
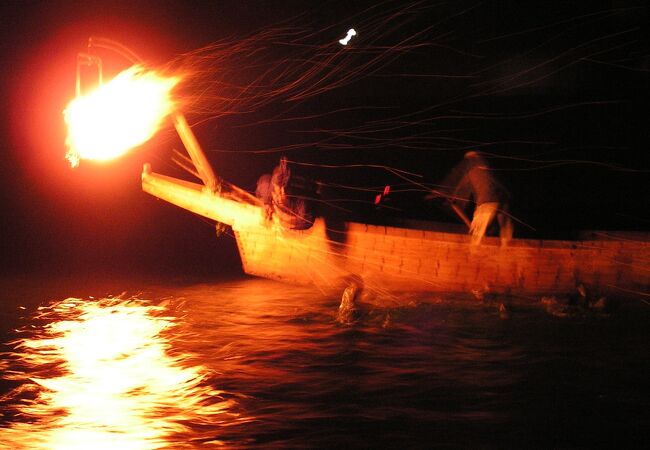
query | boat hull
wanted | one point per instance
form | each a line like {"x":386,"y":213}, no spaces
{"x":394,"y":259}
{"x":389,"y":259}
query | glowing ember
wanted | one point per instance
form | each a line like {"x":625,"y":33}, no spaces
{"x":346,"y":39}
{"x":120,"y":115}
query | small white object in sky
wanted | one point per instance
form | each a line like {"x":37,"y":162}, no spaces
{"x":346,"y":39}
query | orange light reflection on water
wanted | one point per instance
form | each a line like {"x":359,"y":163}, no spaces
{"x":113,"y":382}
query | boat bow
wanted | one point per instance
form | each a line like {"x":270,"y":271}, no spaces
{"x":230,"y":208}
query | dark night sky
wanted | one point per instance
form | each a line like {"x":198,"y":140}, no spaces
{"x":585,"y":66}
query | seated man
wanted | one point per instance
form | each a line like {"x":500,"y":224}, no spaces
{"x":471,"y":182}
{"x":264,"y":192}
{"x":286,"y":196}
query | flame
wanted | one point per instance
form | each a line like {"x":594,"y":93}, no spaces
{"x":104,"y":378}
{"x":119,"y":115}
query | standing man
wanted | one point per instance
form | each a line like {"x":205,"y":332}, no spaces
{"x":471,"y":183}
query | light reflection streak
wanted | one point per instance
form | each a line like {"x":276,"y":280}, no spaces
{"x":102,"y":374}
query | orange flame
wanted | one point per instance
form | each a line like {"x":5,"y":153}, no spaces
{"x":121,"y":114}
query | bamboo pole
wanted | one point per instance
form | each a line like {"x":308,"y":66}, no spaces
{"x":195,"y":151}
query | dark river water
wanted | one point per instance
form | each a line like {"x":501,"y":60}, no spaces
{"x":251,"y":363}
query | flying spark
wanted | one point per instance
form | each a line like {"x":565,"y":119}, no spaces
{"x":346,"y":39}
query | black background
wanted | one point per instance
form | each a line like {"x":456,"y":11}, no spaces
{"x":585,"y":100}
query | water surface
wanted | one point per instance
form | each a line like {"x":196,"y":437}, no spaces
{"x":251,"y":363}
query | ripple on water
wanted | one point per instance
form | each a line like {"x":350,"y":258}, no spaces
{"x":254,"y":363}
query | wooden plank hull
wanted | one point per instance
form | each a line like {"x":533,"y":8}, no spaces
{"x":396,"y":259}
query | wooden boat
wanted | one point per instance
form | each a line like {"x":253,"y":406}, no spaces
{"x":425,"y":257}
